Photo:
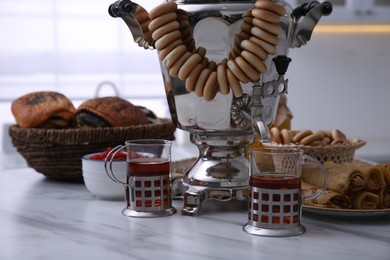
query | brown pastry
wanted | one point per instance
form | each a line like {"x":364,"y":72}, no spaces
{"x":365,"y":200}
{"x":386,"y":172}
{"x":152,"y":117}
{"x":108,"y":112}
{"x":374,"y":175}
{"x":343,"y":178}
{"x":327,"y":199}
{"x":384,"y":197}
{"x":44,"y":109}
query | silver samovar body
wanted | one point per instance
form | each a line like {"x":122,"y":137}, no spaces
{"x":223,"y":127}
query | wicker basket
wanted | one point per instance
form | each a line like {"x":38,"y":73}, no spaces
{"x":338,"y":153}
{"x":56,"y":153}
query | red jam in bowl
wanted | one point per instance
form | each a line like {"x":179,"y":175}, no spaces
{"x":119,"y":156}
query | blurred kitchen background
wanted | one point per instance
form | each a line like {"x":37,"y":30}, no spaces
{"x":340,"y":79}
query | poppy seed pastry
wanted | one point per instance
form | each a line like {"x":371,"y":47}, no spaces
{"x":152,"y":117}
{"x":108,"y":112}
{"x":43,"y":109}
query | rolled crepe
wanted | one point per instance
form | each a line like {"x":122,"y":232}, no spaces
{"x":384,"y":197}
{"x":327,"y":199}
{"x":386,"y":172}
{"x":343,"y":178}
{"x":365,"y":200}
{"x":373,"y":174}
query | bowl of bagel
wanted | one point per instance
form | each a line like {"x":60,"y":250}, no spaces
{"x":53,"y":135}
{"x":324,"y":145}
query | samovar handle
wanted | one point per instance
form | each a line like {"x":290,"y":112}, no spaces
{"x":304,"y":18}
{"x":136,"y":18}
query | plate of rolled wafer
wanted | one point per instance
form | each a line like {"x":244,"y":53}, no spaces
{"x":356,"y":188}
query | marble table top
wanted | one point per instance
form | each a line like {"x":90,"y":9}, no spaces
{"x":43,"y":219}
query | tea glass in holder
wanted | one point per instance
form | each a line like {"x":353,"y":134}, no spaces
{"x":148,"y":183}
{"x":275,"y":199}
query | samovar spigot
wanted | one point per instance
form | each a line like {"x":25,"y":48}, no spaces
{"x":257,"y":114}
{"x":261,"y":115}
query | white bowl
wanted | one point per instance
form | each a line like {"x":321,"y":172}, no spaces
{"x":99,"y":183}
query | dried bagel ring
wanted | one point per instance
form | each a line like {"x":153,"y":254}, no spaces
{"x":201,"y":51}
{"x":211,"y":87}
{"x":162,"y":9}
{"x":234,"y":84}
{"x":337,"y":135}
{"x":166,"y":28}
{"x":192,"y":77}
{"x":186,"y":32}
{"x":222,"y":78}
{"x":163,"y":53}
{"x":237,"y":42}
{"x":337,"y":141}
{"x":250,"y":72}
{"x":266,"y":15}
{"x":286,"y":136}
{"x":269,"y":48}
{"x":182,"y":14}
{"x":167,"y":39}
{"x":300,"y":135}
{"x":174,"y":55}
{"x":246,"y":27}
{"x":315,"y":136}
{"x":247,"y":18}
{"x":275,"y":135}
{"x":243,"y":35}
{"x":174,"y":70}
{"x":254,"y":61}
{"x":326,"y":140}
{"x":272,"y":7}
{"x":233,"y":55}
{"x":236,"y":51}
{"x":201,"y":82}
{"x":205,"y":62}
{"x":161,"y":20}
{"x":269,"y":27}
{"x":212,"y":66}
{"x":264,"y":35}
{"x":190,"y":64}
{"x":189,"y":41}
{"x":255,"y":49}
{"x":235,"y":69}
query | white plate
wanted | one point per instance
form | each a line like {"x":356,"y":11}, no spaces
{"x":346,"y":212}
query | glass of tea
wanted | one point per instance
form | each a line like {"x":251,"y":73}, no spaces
{"x":275,"y":199}
{"x":148,"y":183}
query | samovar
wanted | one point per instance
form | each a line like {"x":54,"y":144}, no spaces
{"x":221,"y":121}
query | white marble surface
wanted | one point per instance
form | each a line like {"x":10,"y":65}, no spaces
{"x":42,"y":219}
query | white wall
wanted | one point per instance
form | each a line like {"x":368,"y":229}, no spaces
{"x":342,"y":81}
